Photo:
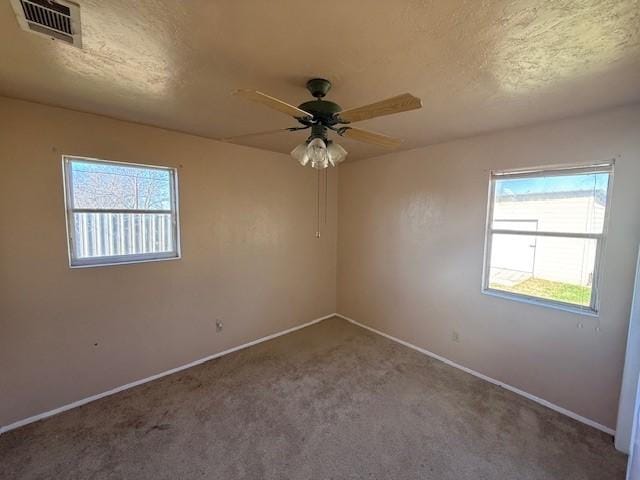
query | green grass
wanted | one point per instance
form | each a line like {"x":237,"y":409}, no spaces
{"x":561,"y":292}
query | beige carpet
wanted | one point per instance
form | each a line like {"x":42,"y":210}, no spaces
{"x":331,"y":401}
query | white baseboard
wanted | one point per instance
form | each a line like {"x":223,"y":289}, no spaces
{"x":539,"y":400}
{"x":84,"y":401}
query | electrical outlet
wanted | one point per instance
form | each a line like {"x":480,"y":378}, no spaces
{"x":219,"y":325}
{"x":455,"y":336}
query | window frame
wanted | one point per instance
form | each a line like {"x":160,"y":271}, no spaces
{"x":600,"y":238}
{"x":104,"y":261}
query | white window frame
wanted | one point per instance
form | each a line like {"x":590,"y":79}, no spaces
{"x":600,"y":238}
{"x":103,"y":261}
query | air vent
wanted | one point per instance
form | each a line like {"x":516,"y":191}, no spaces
{"x":59,"y":20}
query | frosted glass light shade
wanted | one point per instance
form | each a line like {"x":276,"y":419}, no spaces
{"x":317,"y":151}
{"x":336,"y":153}
{"x":300,"y":154}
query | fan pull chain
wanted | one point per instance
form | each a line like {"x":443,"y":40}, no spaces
{"x":322,"y":182}
{"x":318,"y":204}
{"x":326,"y":172}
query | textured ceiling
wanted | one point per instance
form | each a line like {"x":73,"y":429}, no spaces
{"x":478,"y":65}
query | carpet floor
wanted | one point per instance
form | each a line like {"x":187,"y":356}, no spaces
{"x":331,"y":401}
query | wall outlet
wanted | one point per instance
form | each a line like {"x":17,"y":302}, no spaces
{"x":219,"y":325}
{"x":455,"y":336}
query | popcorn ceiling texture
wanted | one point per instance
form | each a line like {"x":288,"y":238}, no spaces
{"x":478,"y":65}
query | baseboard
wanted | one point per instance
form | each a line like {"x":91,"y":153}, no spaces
{"x":539,"y":400}
{"x":515,"y":390}
{"x":92,"y":398}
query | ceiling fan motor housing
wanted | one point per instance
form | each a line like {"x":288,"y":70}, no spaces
{"x":324,"y":112}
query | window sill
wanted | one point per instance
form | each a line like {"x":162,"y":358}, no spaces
{"x":587,"y":312}
{"x":106,"y":262}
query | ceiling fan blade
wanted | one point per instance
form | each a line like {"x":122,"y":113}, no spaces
{"x":255,"y":134}
{"x":370,"y":137}
{"x":400,"y":103}
{"x":271,"y":102}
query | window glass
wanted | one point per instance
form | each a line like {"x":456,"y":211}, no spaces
{"x":114,"y":186}
{"x":552,"y":268}
{"x":562,"y":203}
{"x":119,"y":213}
{"x":545,"y":234}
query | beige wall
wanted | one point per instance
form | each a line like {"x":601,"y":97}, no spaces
{"x":410,"y":253}
{"x":250,"y":258}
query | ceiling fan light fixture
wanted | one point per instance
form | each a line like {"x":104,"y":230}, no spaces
{"x":322,"y":117}
{"x":300,"y":154}
{"x":336,"y":153}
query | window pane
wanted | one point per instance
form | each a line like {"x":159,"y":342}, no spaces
{"x":559,"y":203}
{"x":116,"y":186}
{"x":554,"y":268}
{"x":115,"y":234}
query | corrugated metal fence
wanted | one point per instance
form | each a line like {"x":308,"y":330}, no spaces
{"x":108,"y":234}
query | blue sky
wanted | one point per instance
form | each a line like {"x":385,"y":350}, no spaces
{"x":591,"y":181}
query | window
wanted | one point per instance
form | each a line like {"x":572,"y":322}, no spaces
{"x":545,"y":234}
{"x":119,"y":212}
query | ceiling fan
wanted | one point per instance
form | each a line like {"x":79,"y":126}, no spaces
{"x":323,"y":116}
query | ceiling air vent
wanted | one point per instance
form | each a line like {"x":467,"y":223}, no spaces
{"x":59,"y":19}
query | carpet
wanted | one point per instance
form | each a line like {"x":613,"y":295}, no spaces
{"x":330,"y":401}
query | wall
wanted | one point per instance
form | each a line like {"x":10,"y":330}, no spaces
{"x":629,"y":407}
{"x":250,"y":258}
{"x":410,"y":253}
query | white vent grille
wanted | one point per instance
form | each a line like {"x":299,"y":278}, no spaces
{"x":57,"y":19}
